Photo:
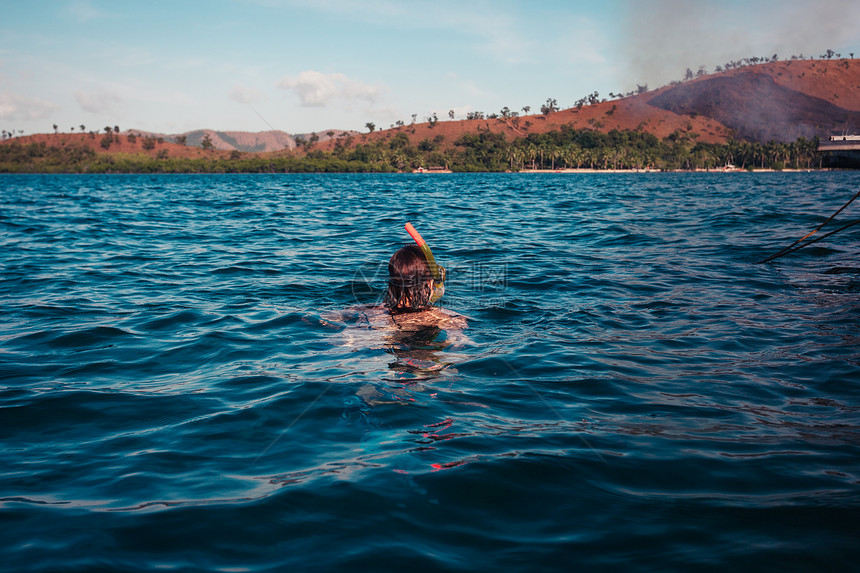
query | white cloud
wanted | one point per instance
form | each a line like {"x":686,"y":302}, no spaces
{"x":316,"y":89}
{"x":241,"y":94}
{"x":102,"y":101}
{"x":18,"y":107}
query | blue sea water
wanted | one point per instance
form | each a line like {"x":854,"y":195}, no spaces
{"x":632,"y":392}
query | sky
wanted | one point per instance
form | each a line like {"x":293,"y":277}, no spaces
{"x":312,"y":65}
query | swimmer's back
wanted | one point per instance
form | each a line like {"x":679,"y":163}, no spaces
{"x":413,"y":321}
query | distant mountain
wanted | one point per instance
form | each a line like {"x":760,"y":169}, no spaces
{"x":230,"y":140}
{"x":242,"y":140}
{"x":258,"y":142}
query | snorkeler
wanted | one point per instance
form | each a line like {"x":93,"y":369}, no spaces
{"x":415,"y":282}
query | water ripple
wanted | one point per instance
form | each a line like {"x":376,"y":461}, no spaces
{"x":632,"y":391}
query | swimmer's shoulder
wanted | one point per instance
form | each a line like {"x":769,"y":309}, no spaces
{"x":451,"y":319}
{"x":381,"y":317}
{"x":433,"y":317}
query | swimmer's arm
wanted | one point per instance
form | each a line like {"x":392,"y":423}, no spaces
{"x":344,"y":315}
{"x":458,"y":338}
{"x":350,"y":314}
{"x":455,"y":326}
{"x":334,"y":316}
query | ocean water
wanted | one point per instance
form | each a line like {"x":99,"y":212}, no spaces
{"x":179,"y":391}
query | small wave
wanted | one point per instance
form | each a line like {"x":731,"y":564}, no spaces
{"x":99,"y":336}
{"x":242,"y":270}
{"x":177,"y":318}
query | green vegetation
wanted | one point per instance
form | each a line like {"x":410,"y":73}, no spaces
{"x":41,"y":158}
{"x":480,"y":151}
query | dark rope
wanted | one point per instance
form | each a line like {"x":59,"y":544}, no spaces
{"x":791,"y":249}
{"x":814,"y":240}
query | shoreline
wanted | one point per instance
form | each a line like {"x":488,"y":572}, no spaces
{"x":636,"y":171}
{"x":525,"y":171}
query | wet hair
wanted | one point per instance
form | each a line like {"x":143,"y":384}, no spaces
{"x":409,"y":286}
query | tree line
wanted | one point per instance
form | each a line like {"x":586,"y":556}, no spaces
{"x":566,"y":148}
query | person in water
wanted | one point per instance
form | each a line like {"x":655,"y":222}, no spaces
{"x":415,"y":282}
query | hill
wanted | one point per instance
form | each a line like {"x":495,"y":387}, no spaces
{"x":778,"y":101}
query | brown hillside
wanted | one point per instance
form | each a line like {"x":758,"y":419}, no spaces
{"x":778,"y":100}
{"x":632,"y":113}
{"x":836,"y":81}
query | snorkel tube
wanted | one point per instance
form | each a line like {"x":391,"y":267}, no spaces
{"x":436,"y":271}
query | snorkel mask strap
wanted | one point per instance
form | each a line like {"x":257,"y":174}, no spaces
{"x":437,"y":271}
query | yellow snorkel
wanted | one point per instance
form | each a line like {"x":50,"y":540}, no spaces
{"x":436,"y":271}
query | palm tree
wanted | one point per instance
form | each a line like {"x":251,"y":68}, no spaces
{"x":379,"y":155}
{"x":573,"y":156}
{"x":517,"y":157}
{"x":521,"y":157}
{"x":591,"y":156}
{"x":555,"y":153}
{"x":618,"y":157}
{"x":399,"y":158}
